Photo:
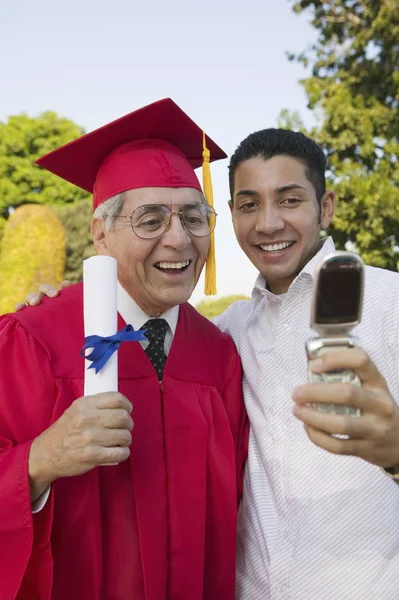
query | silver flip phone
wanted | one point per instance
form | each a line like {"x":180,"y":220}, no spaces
{"x":336,"y":308}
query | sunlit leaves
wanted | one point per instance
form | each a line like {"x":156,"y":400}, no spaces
{"x":355,"y":91}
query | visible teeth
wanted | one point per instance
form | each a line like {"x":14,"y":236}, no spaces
{"x":172,"y":265}
{"x":276,"y":247}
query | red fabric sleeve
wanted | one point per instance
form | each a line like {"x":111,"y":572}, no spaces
{"x":234,"y":402}
{"x":27,"y":396}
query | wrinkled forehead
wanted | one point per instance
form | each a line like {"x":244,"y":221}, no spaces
{"x":160,"y":195}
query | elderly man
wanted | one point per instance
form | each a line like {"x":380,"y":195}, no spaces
{"x":90,"y":509}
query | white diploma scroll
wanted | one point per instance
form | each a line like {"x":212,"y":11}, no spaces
{"x":100,"y":318}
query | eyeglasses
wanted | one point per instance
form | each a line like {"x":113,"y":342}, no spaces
{"x":152,"y":220}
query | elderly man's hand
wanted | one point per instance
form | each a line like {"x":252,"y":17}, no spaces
{"x":34,"y":298}
{"x":94,"y":430}
{"x":374,"y":436}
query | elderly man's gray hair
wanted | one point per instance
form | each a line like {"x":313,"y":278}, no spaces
{"x":108,"y":211}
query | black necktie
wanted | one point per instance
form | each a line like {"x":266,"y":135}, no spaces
{"x":155,"y":332}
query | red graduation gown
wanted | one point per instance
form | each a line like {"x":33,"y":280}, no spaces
{"x":159,"y":526}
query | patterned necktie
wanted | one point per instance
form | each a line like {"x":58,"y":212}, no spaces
{"x":155,"y":332}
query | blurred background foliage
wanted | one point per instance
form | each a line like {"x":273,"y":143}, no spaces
{"x":76,"y":220}
{"x":22,"y":140}
{"x":213,"y":308}
{"x":353,"y":91}
{"x":25,"y":189}
{"x":32,"y":251}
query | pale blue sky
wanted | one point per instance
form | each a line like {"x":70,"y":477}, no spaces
{"x":223,"y":62}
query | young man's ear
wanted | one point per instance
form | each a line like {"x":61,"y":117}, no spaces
{"x":99,"y":235}
{"x":230,"y":203}
{"x":327,"y":207}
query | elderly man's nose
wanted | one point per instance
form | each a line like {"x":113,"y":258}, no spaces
{"x":176,"y":234}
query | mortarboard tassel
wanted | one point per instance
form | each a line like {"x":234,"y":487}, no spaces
{"x":210,"y":268}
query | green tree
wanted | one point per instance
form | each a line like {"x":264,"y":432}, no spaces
{"x":32,"y":251}
{"x":354,"y":91}
{"x":213,"y":308}
{"x":76,"y":220}
{"x":22,"y":140}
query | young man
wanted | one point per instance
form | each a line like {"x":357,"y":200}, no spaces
{"x":313,"y":524}
{"x":90,"y":509}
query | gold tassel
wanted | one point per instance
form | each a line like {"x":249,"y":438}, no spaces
{"x":210,"y":268}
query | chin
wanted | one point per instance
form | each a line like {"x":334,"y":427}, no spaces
{"x":175,"y":297}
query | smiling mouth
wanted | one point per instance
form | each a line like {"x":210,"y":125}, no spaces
{"x":172,"y":267}
{"x":275,"y":248}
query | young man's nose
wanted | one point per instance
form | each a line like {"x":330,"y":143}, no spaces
{"x":269,"y":220}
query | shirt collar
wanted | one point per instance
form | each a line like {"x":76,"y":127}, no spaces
{"x":133,"y":315}
{"x":327,"y":246}
{"x":308,"y":271}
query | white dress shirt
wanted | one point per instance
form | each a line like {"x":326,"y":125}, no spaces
{"x":133,"y":315}
{"x":313,"y":525}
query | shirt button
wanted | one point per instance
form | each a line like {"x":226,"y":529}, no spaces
{"x":287,"y":326}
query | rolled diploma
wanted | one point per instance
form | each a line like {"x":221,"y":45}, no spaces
{"x":100,"y":318}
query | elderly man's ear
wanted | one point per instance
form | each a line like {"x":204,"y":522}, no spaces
{"x":100,"y":237}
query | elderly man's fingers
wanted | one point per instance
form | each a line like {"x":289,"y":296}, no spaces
{"x":105,"y":400}
{"x":66,"y":283}
{"x":354,"y":359}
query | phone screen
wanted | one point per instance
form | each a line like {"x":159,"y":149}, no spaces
{"x":338,"y":294}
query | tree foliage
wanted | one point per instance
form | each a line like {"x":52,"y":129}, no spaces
{"x":22,"y":140}
{"x":76,"y":219}
{"x":2,"y":225}
{"x":354,"y":91}
{"x":32,"y":252}
{"x":213,"y":308}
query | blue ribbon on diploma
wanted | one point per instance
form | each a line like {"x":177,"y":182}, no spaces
{"x":104,"y":347}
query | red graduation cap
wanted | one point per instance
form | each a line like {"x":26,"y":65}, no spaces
{"x":155,"y":146}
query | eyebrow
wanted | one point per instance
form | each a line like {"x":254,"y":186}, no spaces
{"x":289,"y":187}
{"x":145,"y":208}
{"x":280,"y":190}
{"x":246,"y":193}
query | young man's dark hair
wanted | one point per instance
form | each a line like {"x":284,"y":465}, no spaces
{"x":274,"y":142}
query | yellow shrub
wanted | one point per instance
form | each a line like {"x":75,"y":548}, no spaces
{"x":32,"y":252}
{"x":212,"y":308}
{"x":2,"y":225}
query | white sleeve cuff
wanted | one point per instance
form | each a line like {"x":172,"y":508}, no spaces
{"x":40,"y":503}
